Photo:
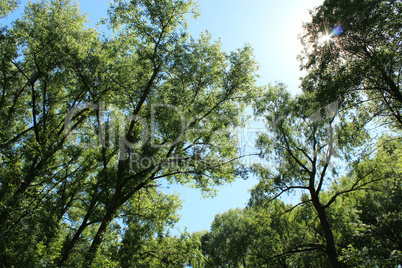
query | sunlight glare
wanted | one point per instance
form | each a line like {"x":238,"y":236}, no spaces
{"x":324,"y":39}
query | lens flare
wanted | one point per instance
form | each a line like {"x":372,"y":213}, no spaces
{"x":336,"y":31}
{"x":326,"y":37}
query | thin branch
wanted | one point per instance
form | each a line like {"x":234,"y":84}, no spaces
{"x":354,"y":187}
{"x":295,"y":206}
{"x":286,"y":190}
{"x":310,"y":247}
{"x":291,"y":154}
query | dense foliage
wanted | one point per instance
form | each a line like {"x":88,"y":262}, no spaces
{"x":362,"y":209}
{"x":328,"y":147}
{"x":353,"y":55}
{"x":92,"y":123}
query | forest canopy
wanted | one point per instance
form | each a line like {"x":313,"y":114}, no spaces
{"x":93,"y":122}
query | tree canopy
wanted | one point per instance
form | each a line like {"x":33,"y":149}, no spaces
{"x":352,"y":53}
{"x":87,"y":123}
{"x":92,"y":123}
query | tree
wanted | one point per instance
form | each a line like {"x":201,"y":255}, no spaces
{"x":353,"y":55}
{"x":347,"y":209}
{"x":255,"y":236}
{"x":7,"y":6}
{"x":37,"y":186}
{"x":145,"y":240}
{"x":376,"y":239}
{"x":306,"y":146}
{"x":228,"y":241}
{"x":88,"y":122}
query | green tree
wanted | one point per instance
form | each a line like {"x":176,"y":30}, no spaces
{"x":375,"y":240}
{"x":146,"y":242}
{"x":36,"y":184}
{"x":255,"y":236}
{"x":306,"y":146}
{"x":87,"y":122}
{"x":227,"y":243}
{"x":353,"y":55}
{"x":361,"y":206}
{"x":7,"y":6}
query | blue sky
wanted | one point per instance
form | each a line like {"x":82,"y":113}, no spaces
{"x":271,"y":28}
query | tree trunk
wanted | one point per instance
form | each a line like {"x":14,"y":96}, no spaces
{"x":329,"y":237}
{"x":90,"y":256}
{"x":68,"y":246}
{"x":114,"y":204}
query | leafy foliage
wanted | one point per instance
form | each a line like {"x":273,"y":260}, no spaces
{"x":361,"y":64}
{"x":364,"y":222}
{"x":319,"y":147}
{"x":89,"y":122}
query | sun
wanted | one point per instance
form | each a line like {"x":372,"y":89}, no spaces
{"x":324,"y":39}
{"x":327,"y":37}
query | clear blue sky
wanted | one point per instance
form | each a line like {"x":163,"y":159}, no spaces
{"x":271,"y":27}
